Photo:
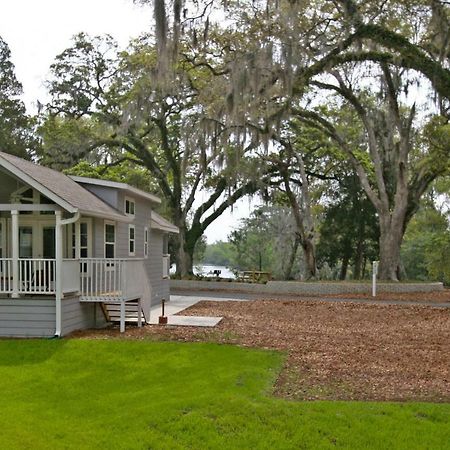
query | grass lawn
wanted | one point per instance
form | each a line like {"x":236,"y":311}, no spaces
{"x":140,"y":394}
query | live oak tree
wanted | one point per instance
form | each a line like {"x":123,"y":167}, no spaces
{"x":373,"y":56}
{"x":114,"y":106}
{"x":16,"y":127}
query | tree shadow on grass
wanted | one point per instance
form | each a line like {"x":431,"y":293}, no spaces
{"x":17,"y":352}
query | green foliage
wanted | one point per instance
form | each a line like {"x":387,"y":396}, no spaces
{"x":426,"y":246}
{"x":267,"y":241}
{"x":200,"y":249}
{"x":349,"y":231}
{"x":220,"y":254}
{"x":126,"y":172}
{"x":123,"y":394}
{"x":16,"y":128}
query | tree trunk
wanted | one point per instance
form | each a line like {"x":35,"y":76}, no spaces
{"x":344,"y":267}
{"x":185,"y":250}
{"x":359,"y":256}
{"x":309,"y":251}
{"x":391,"y":236}
{"x":290,"y":264}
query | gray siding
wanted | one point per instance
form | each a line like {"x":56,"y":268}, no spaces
{"x":80,"y":316}
{"x":107,"y":194}
{"x":27,"y":317}
{"x":154,"y":263}
{"x":35,"y":317}
{"x":154,"y":266}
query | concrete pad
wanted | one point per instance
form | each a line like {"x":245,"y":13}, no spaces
{"x":194,"y":321}
{"x":177,"y":304}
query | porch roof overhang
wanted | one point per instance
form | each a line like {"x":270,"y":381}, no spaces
{"x":59,"y":188}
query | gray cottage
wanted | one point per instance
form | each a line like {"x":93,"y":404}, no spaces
{"x":76,"y":252}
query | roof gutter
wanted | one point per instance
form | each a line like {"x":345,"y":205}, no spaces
{"x":58,"y":269}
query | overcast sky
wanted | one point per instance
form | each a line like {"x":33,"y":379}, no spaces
{"x":37,"y":30}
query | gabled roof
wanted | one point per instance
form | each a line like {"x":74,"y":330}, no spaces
{"x":59,"y":188}
{"x":116,"y":185}
{"x":159,"y":223}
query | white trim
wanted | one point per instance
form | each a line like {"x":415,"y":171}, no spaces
{"x":131,"y":201}
{"x":109,"y":222}
{"x":36,"y":185}
{"x":78,"y":246}
{"x":114,"y":184}
{"x":106,"y":216}
{"x":3,"y":238}
{"x":146,"y":236}
{"x":131,"y":227}
{"x":28,"y":207}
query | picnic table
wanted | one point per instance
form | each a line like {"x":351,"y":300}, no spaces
{"x":255,"y":276}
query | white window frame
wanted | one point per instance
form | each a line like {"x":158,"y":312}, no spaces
{"x":131,"y":227}
{"x":146,"y":242}
{"x":131,"y":201}
{"x":76,"y":249}
{"x":108,"y":222}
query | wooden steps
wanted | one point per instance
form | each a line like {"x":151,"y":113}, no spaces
{"x":112,"y":312}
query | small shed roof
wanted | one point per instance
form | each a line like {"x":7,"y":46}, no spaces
{"x":159,"y":223}
{"x":116,"y":185}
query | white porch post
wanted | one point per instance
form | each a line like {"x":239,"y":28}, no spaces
{"x":58,"y":270}
{"x":15,"y":252}
{"x":77,"y":240}
{"x":122,"y":316}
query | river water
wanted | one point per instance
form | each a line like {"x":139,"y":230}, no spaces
{"x":208,"y":270}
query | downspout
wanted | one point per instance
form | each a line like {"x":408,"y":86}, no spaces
{"x":58,"y":269}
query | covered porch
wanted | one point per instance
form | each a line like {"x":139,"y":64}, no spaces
{"x":45,"y":255}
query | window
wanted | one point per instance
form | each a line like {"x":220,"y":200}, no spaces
{"x":25,"y":242}
{"x":110,"y":240}
{"x":145,"y":242}
{"x":130,"y":206}
{"x":85,"y":233}
{"x":131,"y":240}
{"x":82,"y":231}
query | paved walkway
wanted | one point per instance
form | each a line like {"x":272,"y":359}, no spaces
{"x":177,"y":304}
{"x":245,"y":296}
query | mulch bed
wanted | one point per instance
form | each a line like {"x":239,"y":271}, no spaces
{"x":431,"y":297}
{"x":347,"y":351}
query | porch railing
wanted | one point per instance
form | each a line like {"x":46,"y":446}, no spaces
{"x":101,"y":278}
{"x":110,"y":279}
{"x":6,"y":276}
{"x":37,"y":276}
{"x":97,"y":279}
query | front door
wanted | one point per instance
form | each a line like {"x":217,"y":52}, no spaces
{"x":48,"y":242}
{"x":37,"y":240}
